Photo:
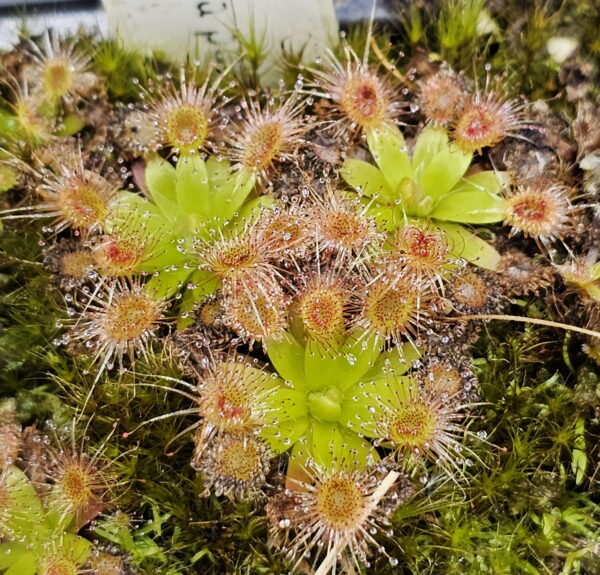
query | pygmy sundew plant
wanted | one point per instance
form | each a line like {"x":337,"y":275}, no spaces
{"x":431,"y":184}
{"x":286,"y":330}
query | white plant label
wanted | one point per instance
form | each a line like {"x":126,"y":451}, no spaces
{"x":198,"y":28}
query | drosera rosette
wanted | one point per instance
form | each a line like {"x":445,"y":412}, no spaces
{"x":188,"y":205}
{"x":321,"y":384}
{"x":337,"y":515}
{"x":433,"y":184}
{"x":41,"y":515}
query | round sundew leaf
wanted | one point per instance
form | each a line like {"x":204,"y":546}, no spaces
{"x":470,"y":207}
{"x":366,"y":178}
{"x":285,"y":434}
{"x":472,"y":248}
{"x":193,"y":191}
{"x":388,"y":148}
{"x":287,"y":356}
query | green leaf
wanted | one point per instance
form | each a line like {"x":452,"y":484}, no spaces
{"x":430,"y":142}
{"x":166,"y":284}
{"x":324,"y":368}
{"x":579,"y":459}
{"x":126,"y":206}
{"x":439,"y":172}
{"x":470,"y":207}
{"x":26,"y":563}
{"x":252,"y":209}
{"x":24,"y":513}
{"x":282,"y":436}
{"x":228,"y":195}
{"x":361,"y":354}
{"x":388,"y":148}
{"x":76,"y":548}
{"x":472,"y":248}
{"x":490,"y":181}
{"x":366,"y":178}
{"x":334,"y":447}
{"x":287,"y":356}
{"x":397,"y":360}
{"x":193,"y":191}
{"x":285,"y":403}
{"x":70,"y":125}
{"x":160,"y":178}
{"x":364,"y":404}
{"x":206,"y":283}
